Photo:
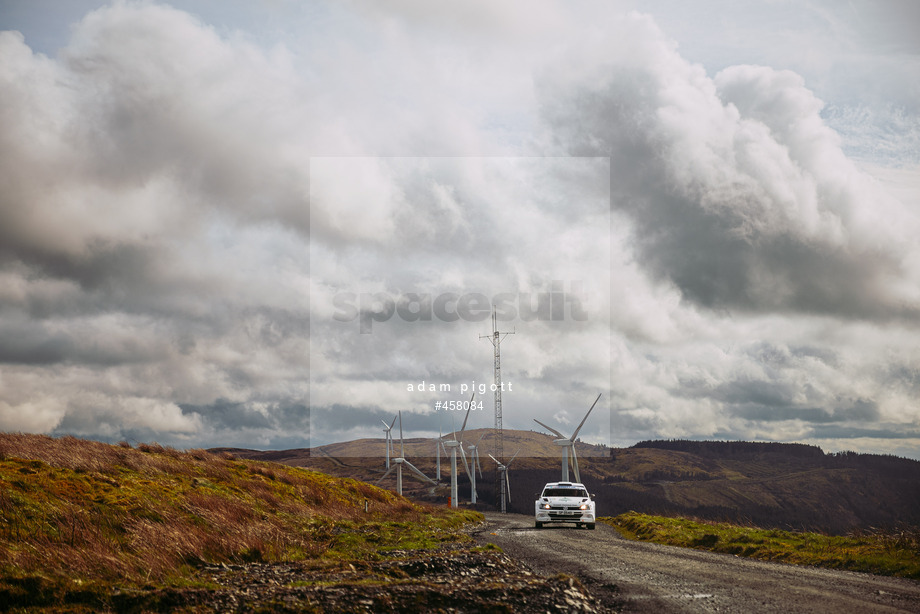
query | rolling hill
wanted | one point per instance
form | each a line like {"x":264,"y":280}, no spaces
{"x":772,"y":485}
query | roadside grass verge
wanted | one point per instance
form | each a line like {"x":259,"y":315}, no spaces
{"x":890,"y":553}
{"x":78,"y":518}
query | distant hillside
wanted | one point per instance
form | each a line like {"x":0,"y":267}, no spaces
{"x":530,"y":443}
{"x":728,"y":449}
{"x":789,"y":486}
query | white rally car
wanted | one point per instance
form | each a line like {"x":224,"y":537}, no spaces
{"x":564,"y":502}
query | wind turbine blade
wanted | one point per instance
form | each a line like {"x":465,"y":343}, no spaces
{"x":575,"y":434}
{"x":418,"y":472}
{"x":386,"y":425}
{"x":385,"y":475}
{"x":495,"y":459}
{"x":402,"y":450}
{"x":467,"y":417}
{"x":507,"y":485}
{"x":465,"y":465}
{"x":513,"y":457}
{"x":551,"y":429}
{"x":574,"y":460}
{"x":478,"y":464}
{"x":393,"y":422}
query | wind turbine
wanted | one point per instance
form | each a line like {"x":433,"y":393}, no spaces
{"x":474,"y":462}
{"x":503,"y":470}
{"x":400,"y":461}
{"x":568,"y":444}
{"x":387,"y":432}
{"x":438,"y":446}
{"x":453,"y":444}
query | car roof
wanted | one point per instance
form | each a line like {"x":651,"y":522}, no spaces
{"x":564,"y":485}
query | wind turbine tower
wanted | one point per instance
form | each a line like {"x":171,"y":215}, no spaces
{"x":498,"y":446}
{"x":503,"y":474}
{"x":452,"y":445}
{"x":388,"y":434}
{"x":437,"y":452}
{"x":474,"y":463}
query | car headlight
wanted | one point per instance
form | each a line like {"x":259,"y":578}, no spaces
{"x":584,"y":506}
{"x":546,"y":506}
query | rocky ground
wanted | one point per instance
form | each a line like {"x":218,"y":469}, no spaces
{"x":453,"y":579}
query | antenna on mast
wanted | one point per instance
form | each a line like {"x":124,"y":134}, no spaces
{"x":498,"y":445}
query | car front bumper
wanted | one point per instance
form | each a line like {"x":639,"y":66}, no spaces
{"x":564,"y":516}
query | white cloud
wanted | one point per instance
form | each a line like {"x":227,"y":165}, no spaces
{"x":175,"y":228}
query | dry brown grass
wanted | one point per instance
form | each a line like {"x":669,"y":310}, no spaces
{"x":83,"y":511}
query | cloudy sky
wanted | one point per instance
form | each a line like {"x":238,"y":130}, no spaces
{"x":265,"y":224}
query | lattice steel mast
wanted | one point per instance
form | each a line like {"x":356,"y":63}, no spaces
{"x":498,"y":445}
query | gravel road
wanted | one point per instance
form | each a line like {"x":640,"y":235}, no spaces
{"x":630,"y":576}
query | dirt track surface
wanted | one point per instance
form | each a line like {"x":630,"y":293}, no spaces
{"x":630,"y":576}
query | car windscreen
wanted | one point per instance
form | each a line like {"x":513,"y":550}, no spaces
{"x":565,"y":492}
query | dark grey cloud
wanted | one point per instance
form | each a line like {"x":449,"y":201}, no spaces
{"x":878,"y":431}
{"x":345,"y":418}
{"x":754,"y":409}
{"x":38,"y":343}
{"x":734,"y":186}
{"x":755,"y":392}
{"x":103,"y":272}
{"x":224,"y":414}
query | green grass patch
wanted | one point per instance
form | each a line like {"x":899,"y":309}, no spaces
{"x":891,"y":553}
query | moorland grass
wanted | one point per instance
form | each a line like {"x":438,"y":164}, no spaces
{"x":79,"y":517}
{"x":891,"y":552}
